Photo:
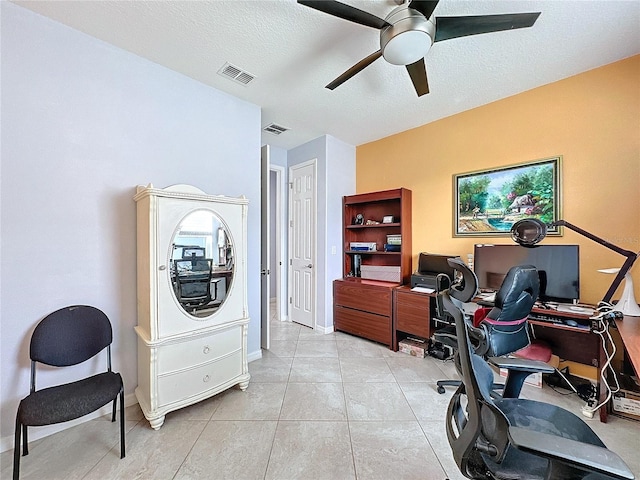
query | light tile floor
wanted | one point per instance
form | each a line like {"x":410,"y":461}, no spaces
{"x":317,"y":407}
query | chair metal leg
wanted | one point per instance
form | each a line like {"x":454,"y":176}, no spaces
{"x":447,"y":383}
{"x":25,"y":441}
{"x":122,"y":453}
{"x":16,"y":450}
{"x":113,"y":413}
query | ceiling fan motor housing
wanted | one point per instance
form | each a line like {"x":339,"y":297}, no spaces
{"x":408,"y":38}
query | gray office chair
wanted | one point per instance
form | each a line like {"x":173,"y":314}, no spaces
{"x":503,"y":330}
{"x":66,"y":337}
{"x":193,"y":282}
{"x":514,"y":438}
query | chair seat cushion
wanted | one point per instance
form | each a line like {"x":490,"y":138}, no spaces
{"x":69,"y":401}
{"x":447,"y":336}
{"x":547,"y":418}
{"x":540,"y":417}
{"x":536,"y":350}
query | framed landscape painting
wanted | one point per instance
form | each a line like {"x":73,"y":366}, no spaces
{"x":489,"y":202}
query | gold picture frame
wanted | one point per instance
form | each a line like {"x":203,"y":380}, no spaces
{"x":488,"y":202}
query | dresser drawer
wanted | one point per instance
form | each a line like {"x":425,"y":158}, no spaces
{"x":178,"y":386}
{"x":361,"y":296}
{"x":198,"y":350}
{"x":364,"y":324}
{"x":412,"y":313}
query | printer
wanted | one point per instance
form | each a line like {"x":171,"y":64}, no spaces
{"x":429,"y":266}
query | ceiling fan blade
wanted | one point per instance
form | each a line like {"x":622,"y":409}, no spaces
{"x":418,"y":73}
{"x":346,"y":12}
{"x":425,"y":8}
{"x":358,"y":67}
{"x":454,"y":27}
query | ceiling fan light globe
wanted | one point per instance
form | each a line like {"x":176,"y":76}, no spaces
{"x":407,"y":47}
{"x":408,"y":38}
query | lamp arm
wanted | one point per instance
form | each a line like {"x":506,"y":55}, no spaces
{"x":584,"y":233}
{"x":626,"y":266}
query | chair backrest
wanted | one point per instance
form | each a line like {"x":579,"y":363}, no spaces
{"x":464,"y":288}
{"x":505,"y":325}
{"x":70,"y":336}
{"x":443,"y":282}
{"x":193,"y":280}
{"x":477,"y":425}
{"x":517,"y":294}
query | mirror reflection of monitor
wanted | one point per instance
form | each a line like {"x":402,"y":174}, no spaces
{"x":190,"y":252}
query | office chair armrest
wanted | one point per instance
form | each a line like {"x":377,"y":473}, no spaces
{"x":570,"y":451}
{"x":521,"y":364}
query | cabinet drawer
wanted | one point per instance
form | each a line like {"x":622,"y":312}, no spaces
{"x":198,"y":350}
{"x":367,"y":325}
{"x":178,"y":386}
{"x":369,"y":298}
{"x":412,"y":314}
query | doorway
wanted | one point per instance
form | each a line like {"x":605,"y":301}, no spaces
{"x":272,"y":254}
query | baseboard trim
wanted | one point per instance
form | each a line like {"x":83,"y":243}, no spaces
{"x":36,"y":433}
{"x":257,"y":355}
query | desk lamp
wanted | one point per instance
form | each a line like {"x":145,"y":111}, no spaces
{"x":531,"y":231}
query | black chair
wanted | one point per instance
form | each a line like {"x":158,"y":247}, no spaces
{"x":193,"y":282}
{"x":514,"y":438}
{"x":67,"y":337}
{"x":503,"y":330}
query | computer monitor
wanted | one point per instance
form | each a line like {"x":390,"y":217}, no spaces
{"x":558,"y":268}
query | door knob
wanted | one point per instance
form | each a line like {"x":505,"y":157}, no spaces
{"x":309,"y":266}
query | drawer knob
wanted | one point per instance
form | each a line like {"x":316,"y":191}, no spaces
{"x":206,"y":349}
{"x":206,"y":378}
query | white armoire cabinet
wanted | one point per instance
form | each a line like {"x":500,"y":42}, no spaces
{"x":192,"y":297}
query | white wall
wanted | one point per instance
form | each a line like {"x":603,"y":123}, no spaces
{"x":83,"y":123}
{"x":335,"y":178}
{"x":341,"y":181}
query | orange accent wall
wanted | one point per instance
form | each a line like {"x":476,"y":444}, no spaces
{"x":591,"y":119}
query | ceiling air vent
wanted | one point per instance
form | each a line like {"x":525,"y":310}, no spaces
{"x":275,"y":129}
{"x":234,"y":73}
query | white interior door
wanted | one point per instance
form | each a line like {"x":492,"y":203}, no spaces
{"x":302,"y":243}
{"x":265,"y":333}
{"x":278,"y":237}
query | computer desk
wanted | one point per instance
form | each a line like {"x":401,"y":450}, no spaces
{"x":629,"y":328}
{"x":579,"y":344}
{"x":576,"y":344}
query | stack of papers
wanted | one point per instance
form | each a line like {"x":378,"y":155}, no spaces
{"x":422,"y":289}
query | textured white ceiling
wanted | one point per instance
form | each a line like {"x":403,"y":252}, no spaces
{"x":294,"y":51}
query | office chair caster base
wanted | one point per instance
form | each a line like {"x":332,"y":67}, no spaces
{"x":441,"y":389}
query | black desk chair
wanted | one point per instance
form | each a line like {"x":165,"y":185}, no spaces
{"x":504,"y":330}
{"x":67,"y":337}
{"x":515,"y":438}
{"x":193,"y":282}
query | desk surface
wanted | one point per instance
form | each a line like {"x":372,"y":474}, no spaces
{"x":629,"y":329}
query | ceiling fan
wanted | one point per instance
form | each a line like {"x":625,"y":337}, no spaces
{"x":408,"y":32}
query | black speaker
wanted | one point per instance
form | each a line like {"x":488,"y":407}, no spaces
{"x":357,"y":261}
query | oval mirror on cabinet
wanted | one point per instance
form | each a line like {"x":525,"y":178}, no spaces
{"x":201,"y":260}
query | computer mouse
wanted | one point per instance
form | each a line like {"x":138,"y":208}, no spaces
{"x":571,"y":323}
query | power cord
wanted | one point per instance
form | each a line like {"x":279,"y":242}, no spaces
{"x":600,"y":325}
